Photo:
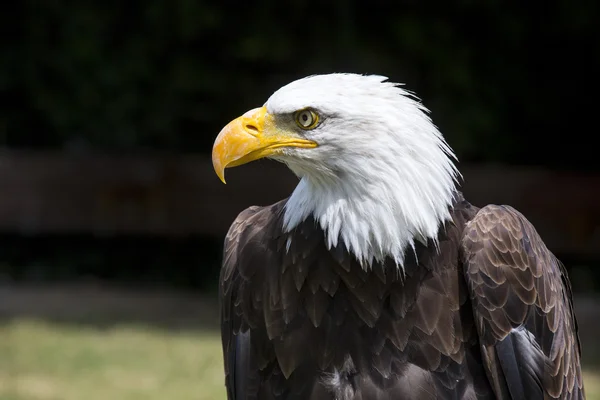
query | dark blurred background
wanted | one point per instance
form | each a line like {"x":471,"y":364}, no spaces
{"x":110,"y":111}
{"x":111,"y":108}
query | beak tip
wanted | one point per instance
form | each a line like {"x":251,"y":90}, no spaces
{"x":220,"y":173}
{"x":218,"y":164}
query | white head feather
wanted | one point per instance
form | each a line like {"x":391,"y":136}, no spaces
{"x":382,"y":175}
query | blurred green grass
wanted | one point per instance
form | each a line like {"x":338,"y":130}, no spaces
{"x":58,"y":361}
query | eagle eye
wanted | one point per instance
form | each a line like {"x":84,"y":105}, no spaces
{"x":306,"y":119}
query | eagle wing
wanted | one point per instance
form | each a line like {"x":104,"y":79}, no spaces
{"x":523,"y":310}
{"x":245,"y":233}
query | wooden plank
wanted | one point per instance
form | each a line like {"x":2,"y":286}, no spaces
{"x":52,"y":192}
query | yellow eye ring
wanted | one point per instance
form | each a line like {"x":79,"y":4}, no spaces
{"x":306,"y":119}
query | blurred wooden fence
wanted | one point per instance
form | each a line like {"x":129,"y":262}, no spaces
{"x":53,"y":193}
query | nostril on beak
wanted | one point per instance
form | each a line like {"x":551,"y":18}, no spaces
{"x":251,"y":129}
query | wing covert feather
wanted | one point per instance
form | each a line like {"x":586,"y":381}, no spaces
{"x":523,"y":310}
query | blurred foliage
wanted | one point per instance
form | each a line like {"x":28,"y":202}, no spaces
{"x":157,"y":74}
{"x":505,"y":83}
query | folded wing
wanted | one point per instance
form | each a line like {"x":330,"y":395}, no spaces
{"x":523,"y":309}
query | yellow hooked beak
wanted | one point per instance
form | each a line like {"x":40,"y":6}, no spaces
{"x":250,"y":137}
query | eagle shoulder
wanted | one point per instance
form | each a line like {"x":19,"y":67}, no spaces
{"x":522,"y":303}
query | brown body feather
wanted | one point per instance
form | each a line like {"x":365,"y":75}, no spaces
{"x":300,"y":321}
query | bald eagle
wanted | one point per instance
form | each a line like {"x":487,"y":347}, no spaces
{"x":376,"y":279}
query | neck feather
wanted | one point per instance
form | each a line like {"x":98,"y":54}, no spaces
{"x":373,"y":217}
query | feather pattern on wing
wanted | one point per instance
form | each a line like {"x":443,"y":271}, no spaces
{"x":523,"y":308}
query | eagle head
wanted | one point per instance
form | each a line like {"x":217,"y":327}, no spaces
{"x":374,"y":171}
